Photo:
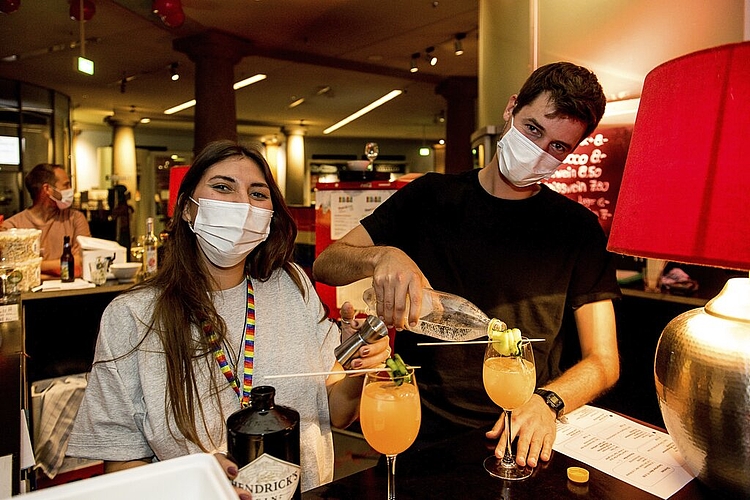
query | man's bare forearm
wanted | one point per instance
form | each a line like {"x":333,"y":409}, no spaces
{"x":342,"y":263}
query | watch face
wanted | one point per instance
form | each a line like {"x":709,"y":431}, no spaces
{"x":554,"y":400}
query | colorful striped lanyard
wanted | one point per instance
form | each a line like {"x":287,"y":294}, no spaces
{"x":221,"y":358}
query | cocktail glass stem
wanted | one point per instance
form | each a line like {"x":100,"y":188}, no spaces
{"x":508,"y":459}
{"x":391,"y":462}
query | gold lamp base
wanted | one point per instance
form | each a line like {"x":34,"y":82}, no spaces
{"x":702,"y":375}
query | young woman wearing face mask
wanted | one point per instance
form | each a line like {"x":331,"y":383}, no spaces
{"x":178,"y":353}
{"x":50,"y":189}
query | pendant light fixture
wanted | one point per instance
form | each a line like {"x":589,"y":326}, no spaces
{"x":424,"y":150}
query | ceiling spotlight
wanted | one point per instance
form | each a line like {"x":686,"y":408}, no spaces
{"x":414,"y":59}
{"x":458,"y":47}
{"x":173,"y":71}
{"x":431,"y":58}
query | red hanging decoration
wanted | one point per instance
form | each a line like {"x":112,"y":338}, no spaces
{"x":9,"y":6}
{"x":169,"y":11}
{"x":174,"y":19}
{"x":160,"y":7}
{"x":89,"y":9}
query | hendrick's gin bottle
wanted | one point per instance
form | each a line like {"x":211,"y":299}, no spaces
{"x":263,"y":439}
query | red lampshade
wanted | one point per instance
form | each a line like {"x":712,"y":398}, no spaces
{"x":685,"y":193}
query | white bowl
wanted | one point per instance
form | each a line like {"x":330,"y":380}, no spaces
{"x":357,"y":165}
{"x":125,"y":271}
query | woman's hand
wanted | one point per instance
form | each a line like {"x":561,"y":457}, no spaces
{"x":230,"y":469}
{"x":369,"y":355}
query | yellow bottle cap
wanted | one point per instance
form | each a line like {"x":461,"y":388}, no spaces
{"x":578,"y":474}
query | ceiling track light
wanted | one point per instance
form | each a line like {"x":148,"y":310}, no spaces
{"x":238,"y":85}
{"x":458,"y":47}
{"x":379,"y":102}
{"x":431,"y":58}
{"x":173,"y":71}
{"x":414,"y":58}
{"x":295,"y":101}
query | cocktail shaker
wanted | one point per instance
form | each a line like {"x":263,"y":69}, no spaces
{"x":372,"y":330}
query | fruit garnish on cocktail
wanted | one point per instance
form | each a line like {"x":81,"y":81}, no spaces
{"x":506,"y":342}
{"x":398,"y":369}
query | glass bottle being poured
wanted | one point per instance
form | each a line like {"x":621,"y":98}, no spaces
{"x":446,"y":316}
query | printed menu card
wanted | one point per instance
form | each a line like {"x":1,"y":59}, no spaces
{"x":634,"y":453}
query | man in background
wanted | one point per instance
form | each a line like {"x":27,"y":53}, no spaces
{"x":52,"y":194}
{"x":518,"y":250}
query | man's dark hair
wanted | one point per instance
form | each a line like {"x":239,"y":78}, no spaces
{"x":574,"y":91}
{"x":42,"y":174}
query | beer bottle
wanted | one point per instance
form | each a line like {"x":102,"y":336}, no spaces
{"x":67,"y":262}
{"x":263,"y":440}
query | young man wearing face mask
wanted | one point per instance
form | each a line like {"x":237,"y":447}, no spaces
{"x":52,"y":194}
{"x":518,"y":250}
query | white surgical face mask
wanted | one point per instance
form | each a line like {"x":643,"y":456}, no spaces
{"x":67,"y":198}
{"x":227,"y":231}
{"x":521,"y":161}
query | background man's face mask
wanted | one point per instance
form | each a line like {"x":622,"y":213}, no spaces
{"x":67,"y":198}
{"x":227,"y":231}
{"x":521,"y":161}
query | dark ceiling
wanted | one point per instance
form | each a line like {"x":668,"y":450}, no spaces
{"x":338,"y":55}
{"x":357,"y":50}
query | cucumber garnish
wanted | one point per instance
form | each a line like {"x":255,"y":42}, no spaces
{"x":507,"y":342}
{"x":398,"y":370}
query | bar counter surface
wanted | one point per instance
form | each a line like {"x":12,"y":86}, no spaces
{"x":60,"y":328}
{"x":453,"y":469}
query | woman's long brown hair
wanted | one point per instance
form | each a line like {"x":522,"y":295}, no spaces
{"x":184,"y":286}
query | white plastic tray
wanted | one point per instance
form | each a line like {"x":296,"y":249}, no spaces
{"x":190,"y":477}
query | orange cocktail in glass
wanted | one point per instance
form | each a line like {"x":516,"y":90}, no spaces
{"x":509,"y":378}
{"x":510,"y":381}
{"x":390,"y":414}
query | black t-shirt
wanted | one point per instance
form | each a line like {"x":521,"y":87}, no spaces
{"x":527,"y":262}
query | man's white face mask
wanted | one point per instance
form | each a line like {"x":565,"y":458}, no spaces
{"x":228,"y":231}
{"x":521,"y":161}
{"x":67,"y":198}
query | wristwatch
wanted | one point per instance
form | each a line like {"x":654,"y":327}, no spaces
{"x":554,"y":401}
